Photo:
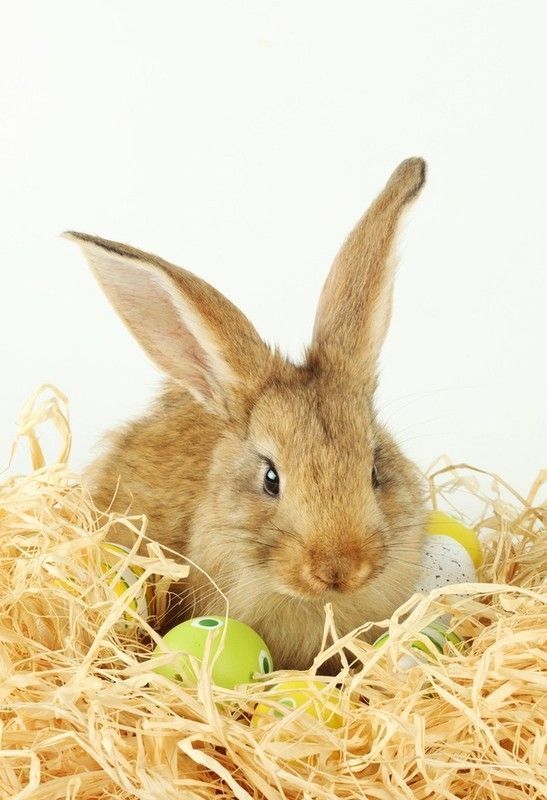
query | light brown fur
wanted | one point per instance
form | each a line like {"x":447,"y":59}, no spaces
{"x":195,"y":462}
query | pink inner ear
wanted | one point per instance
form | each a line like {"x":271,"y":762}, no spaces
{"x":147,"y":303}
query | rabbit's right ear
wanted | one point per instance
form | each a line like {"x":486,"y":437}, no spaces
{"x":355,"y":305}
{"x":191,"y":331}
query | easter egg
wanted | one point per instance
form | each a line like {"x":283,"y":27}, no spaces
{"x":318,"y":700}
{"x":118,"y":582}
{"x":444,"y":562}
{"x":236,"y":651}
{"x":436,"y":634}
{"x":121,"y":582}
{"x":439,"y":524}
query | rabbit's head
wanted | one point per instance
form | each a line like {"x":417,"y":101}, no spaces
{"x":306,"y":495}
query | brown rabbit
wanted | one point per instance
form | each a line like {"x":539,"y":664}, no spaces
{"x":275,"y":478}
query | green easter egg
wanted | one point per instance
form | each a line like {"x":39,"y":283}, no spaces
{"x":437,"y":633}
{"x":242,"y":652}
{"x":381,"y":640}
{"x":443,"y":632}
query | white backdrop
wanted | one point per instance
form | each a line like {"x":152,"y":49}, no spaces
{"x":242,"y":140}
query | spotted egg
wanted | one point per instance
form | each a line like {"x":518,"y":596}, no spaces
{"x":444,"y":562}
{"x":440,"y":524}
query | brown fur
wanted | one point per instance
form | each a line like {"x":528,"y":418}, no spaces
{"x":195,"y":462}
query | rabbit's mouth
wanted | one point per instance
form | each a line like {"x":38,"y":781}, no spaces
{"x":319,"y":579}
{"x":325,"y":568}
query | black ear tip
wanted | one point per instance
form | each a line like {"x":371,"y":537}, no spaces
{"x":408,"y":178}
{"x":421,"y":165}
{"x":415,"y":164}
{"x":76,"y":236}
{"x":71,"y":235}
{"x":86,"y":239}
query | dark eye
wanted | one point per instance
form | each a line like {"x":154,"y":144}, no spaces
{"x":374,"y":477}
{"x":271,"y":481}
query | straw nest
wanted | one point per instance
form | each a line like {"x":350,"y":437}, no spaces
{"x":83,"y":716}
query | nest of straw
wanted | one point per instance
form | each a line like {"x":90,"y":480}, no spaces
{"x":83,"y":716}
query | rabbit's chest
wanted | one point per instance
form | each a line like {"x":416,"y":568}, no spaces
{"x":297,"y":631}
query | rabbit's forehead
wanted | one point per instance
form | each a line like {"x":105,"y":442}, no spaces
{"x":305,"y":419}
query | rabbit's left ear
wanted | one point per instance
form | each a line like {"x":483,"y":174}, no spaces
{"x":188,"y":328}
{"x":355,"y":305}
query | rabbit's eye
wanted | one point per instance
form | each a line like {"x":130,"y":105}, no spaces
{"x":271,"y":481}
{"x":375,"y":478}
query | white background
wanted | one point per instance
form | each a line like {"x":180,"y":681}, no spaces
{"x":242,"y":140}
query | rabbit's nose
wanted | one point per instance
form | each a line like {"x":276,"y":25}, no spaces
{"x":343,"y":573}
{"x":329,"y":574}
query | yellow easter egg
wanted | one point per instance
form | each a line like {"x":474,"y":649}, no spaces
{"x":121,"y":582}
{"x":69,"y":585}
{"x":76,"y":581}
{"x":440,"y":524}
{"x":319,"y":701}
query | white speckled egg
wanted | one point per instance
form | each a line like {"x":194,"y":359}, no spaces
{"x":445,"y":562}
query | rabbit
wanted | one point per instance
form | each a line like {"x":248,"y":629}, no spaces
{"x":276,"y":479}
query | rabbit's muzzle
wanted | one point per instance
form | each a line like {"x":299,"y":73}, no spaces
{"x":327,"y":570}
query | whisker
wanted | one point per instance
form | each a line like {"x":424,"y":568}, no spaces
{"x":292,"y":534}
{"x":245,"y":540}
{"x":413,"y":397}
{"x":239,"y":539}
{"x":406,"y":562}
{"x":396,"y":528}
{"x":271,"y":611}
{"x":194,"y":594}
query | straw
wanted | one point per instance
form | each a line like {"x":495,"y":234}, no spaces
{"x":82,"y":715}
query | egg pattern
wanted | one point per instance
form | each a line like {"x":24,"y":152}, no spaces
{"x":288,"y":702}
{"x":444,"y":562}
{"x":208,"y":623}
{"x":265,"y":663}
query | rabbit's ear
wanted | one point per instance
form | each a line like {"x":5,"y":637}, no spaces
{"x":191,"y":331}
{"x":355,"y":305}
